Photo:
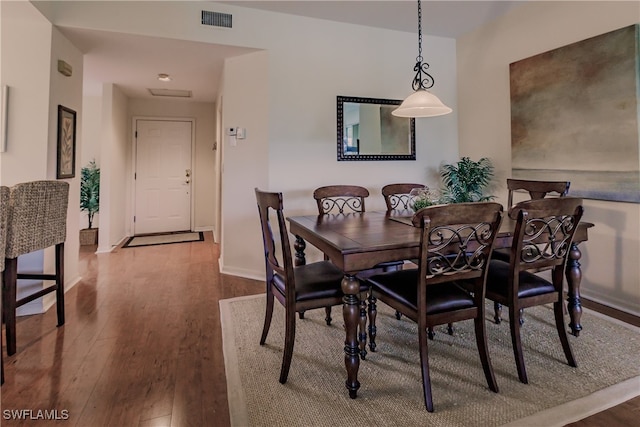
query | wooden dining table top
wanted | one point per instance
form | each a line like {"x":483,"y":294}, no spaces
{"x":359,"y":241}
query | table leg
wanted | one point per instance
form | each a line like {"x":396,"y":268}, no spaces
{"x":574,"y":276}
{"x":300,"y":246}
{"x":351,"y":313}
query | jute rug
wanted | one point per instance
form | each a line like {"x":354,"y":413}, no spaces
{"x":607,"y":353}
{"x":164,"y":239}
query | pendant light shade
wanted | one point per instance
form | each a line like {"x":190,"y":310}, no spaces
{"x":421,"y":103}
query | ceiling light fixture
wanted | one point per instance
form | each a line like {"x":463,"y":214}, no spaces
{"x":164,"y":77}
{"x":421,"y":103}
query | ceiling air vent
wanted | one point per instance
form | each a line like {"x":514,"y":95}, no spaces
{"x":173,"y":93}
{"x":216,"y":19}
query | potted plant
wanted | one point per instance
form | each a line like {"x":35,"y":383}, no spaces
{"x":467,"y":180}
{"x":423,"y":197}
{"x":89,"y":200}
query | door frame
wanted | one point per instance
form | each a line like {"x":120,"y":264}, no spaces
{"x":134,"y":163}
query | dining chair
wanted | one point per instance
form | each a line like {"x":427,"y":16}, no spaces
{"x":536,"y":190}
{"x":398,"y":197}
{"x":542,"y":241}
{"x":297,"y":288}
{"x":343,"y":199}
{"x":340,"y":198}
{"x":4,"y":211}
{"x":37,"y":219}
{"x":433,"y":294}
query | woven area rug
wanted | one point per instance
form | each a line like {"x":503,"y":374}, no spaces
{"x":164,"y":239}
{"x":391,"y":385}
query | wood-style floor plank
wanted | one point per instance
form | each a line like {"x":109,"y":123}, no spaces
{"x":142,"y":344}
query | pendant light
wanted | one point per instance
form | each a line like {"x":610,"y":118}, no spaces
{"x":421,"y":103}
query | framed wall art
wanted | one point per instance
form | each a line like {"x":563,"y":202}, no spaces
{"x":575,"y":116}
{"x":66,"y":143}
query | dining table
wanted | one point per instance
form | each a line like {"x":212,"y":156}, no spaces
{"x":359,"y":241}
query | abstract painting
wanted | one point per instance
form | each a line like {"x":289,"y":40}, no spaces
{"x":574,"y":116}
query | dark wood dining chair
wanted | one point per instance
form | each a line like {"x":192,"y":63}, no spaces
{"x":297,"y":288}
{"x":397,"y":196}
{"x":542,"y":241}
{"x":4,"y":211}
{"x":37,"y":220}
{"x":343,"y":199}
{"x":433,"y":294}
{"x":340,"y":198}
{"x":535,"y":190}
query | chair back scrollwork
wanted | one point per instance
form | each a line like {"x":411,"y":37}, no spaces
{"x":340,"y":199}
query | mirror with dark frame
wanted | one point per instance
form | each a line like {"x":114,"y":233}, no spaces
{"x":368,"y":131}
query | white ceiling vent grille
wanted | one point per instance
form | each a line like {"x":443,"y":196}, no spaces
{"x":173,"y":93}
{"x":216,"y":19}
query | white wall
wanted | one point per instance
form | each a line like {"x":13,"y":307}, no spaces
{"x":306,"y":73}
{"x":204,"y":170}
{"x":245,"y":165}
{"x":115,"y":167}
{"x":308,"y":63}
{"x":27,"y":76}
{"x":91,"y":138}
{"x":36,"y":90}
{"x":611,"y":271}
{"x":67,"y":91}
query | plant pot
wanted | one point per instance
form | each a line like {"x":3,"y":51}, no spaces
{"x":89,"y":236}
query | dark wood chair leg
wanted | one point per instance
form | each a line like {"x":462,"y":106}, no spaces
{"x":9,"y":283}
{"x":497,"y":308}
{"x":450,"y":328}
{"x":362,"y":327}
{"x":301,"y":314}
{"x":483,"y":350}
{"x":267,"y":317}
{"x":424,"y":365}
{"x":289,"y":340}
{"x":398,"y":315}
{"x":327,"y":318}
{"x":562,"y":333}
{"x":517,"y":344}
{"x":372,"y":323}
{"x":60,"y":283}
{"x":430,"y":333}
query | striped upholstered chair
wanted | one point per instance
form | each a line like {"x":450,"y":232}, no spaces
{"x":37,"y":220}
{"x":4,"y":210}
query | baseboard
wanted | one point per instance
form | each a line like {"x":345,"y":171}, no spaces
{"x":621,"y":315}
{"x":241,"y":272}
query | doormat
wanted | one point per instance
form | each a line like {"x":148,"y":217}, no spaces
{"x":164,"y":239}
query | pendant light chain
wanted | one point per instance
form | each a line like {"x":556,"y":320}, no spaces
{"x":419,"y":81}
{"x":421,"y":103}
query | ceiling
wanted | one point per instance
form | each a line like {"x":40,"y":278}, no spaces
{"x":133,"y":62}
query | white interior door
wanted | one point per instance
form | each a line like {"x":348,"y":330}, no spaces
{"x":162,"y":176}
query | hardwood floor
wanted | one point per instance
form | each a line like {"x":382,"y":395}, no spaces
{"x":142,"y":345}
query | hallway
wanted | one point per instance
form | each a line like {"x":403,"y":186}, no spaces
{"x":141,"y":345}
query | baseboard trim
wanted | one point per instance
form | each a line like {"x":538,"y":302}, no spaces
{"x":611,"y":312}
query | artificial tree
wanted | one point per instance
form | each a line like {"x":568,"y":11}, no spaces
{"x":89,"y":200}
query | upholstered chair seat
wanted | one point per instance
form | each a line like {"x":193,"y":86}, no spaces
{"x":313,"y":281}
{"x":442,"y":296}
{"x":529,"y":284}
